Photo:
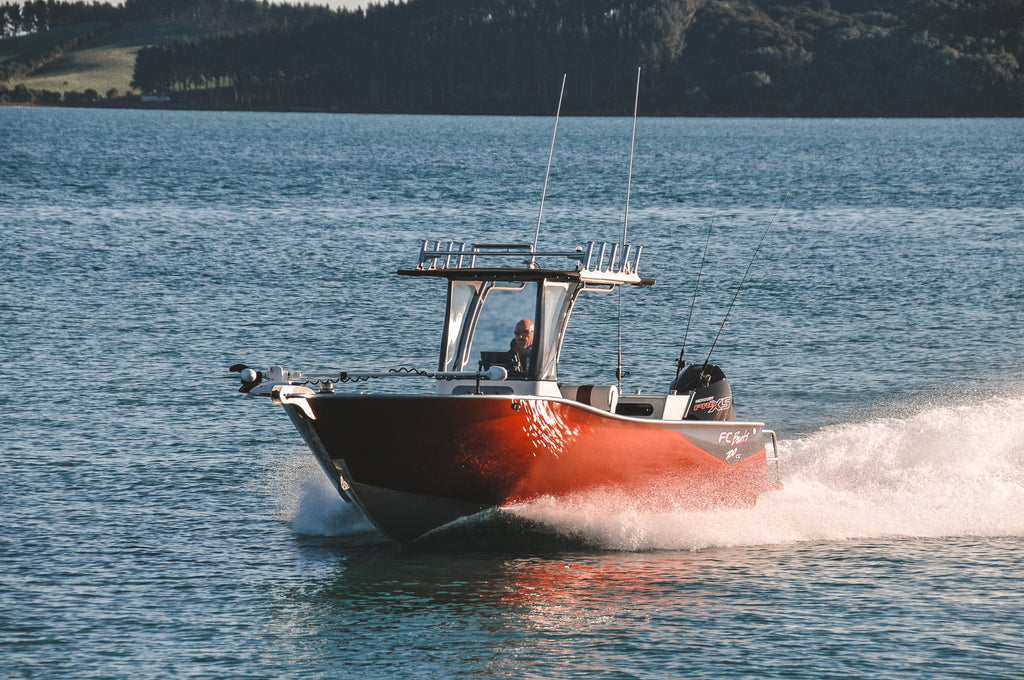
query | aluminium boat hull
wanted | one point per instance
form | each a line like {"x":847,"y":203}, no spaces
{"x":416,"y":463}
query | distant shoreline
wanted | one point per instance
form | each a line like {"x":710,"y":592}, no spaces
{"x":140,"y":106}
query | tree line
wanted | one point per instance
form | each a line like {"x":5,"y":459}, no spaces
{"x":42,"y":15}
{"x":427,"y":55}
{"x":700,"y":57}
{"x":18,"y":18}
{"x":227,"y":16}
{"x":70,"y":25}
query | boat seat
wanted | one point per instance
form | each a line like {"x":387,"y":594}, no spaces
{"x":604,"y":397}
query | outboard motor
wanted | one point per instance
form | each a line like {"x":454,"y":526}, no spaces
{"x":712,"y":396}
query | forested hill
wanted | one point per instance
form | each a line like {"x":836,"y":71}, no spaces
{"x":699,"y":57}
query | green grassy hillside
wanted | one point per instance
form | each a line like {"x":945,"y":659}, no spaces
{"x":103,"y":62}
{"x":26,"y":48}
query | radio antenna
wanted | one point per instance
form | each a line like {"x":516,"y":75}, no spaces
{"x":551,"y":153}
{"x":632,"y":145}
{"x":682,"y":352}
{"x":743,"y":280}
{"x":625,"y":224}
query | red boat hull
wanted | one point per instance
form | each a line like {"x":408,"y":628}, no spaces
{"x":473,"y":452}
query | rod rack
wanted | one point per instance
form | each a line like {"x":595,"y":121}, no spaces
{"x":604,"y":258}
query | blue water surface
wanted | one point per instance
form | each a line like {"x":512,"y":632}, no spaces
{"x":158,"y":524}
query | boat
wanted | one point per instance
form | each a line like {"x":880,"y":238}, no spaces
{"x":493,"y":426}
{"x":499,"y":428}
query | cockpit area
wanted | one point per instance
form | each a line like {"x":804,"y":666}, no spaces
{"x":518,"y":325}
{"x":508,"y":307}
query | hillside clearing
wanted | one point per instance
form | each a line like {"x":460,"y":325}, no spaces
{"x":103,"y":64}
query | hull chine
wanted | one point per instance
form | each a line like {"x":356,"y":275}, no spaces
{"x":404,"y":516}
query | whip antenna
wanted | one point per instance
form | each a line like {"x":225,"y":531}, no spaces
{"x":551,"y":154}
{"x":682,"y":352}
{"x":632,"y":145}
{"x":625,"y":223}
{"x":743,"y":280}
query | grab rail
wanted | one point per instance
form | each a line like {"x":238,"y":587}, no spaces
{"x":261,"y":383}
{"x":774,"y":458}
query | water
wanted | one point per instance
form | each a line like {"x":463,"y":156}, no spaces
{"x":157,"y":524}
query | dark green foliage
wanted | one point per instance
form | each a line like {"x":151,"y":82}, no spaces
{"x":47,"y":97}
{"x":433,"y":55}
{"x":700,"y":57}
{"x":41,"y":15}
{"x":858,"y":57}
{"x":19,"y":95}
{"x":735,"y":57}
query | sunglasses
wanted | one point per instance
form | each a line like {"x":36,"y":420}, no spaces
{"x":523,"y":332}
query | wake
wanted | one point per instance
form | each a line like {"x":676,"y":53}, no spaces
{"x":942,"y":471}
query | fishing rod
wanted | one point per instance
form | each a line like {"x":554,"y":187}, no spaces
{"x":743,"y":280}
{"x":625,"y":224}
{"x":551,"y":153}
{"x":682,"y":352}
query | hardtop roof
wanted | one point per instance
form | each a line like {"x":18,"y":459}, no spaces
{"x":595,"y":263}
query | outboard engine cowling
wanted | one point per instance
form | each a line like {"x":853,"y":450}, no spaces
{"x":712,"y":396}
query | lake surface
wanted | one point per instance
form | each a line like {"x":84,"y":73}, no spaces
{"x":158,"y":524}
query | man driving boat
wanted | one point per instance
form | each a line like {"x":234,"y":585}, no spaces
{"x":520,"y":350}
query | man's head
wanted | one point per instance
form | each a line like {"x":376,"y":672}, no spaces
{"x":524,"y":334}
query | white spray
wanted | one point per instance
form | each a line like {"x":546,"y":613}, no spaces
{"x":942,"y":471}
